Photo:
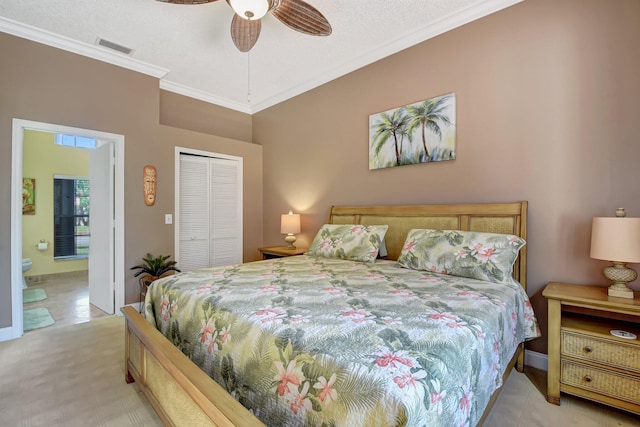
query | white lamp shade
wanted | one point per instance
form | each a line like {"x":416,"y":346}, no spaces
{"x":290,"y":223}
{"x":616,"y":239}
{"x":250,"y":9}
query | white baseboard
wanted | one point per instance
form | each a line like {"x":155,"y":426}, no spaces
{"x":8,"y":333}
{"x":535,"y":359}
{"x":135,"y":305}
{"x":5,"y":333}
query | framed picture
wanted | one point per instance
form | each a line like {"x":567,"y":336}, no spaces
{"x":28,"y":196}
{"x":423,"y":132}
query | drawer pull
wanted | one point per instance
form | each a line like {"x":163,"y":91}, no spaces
{"x":587,"y":378}
{"x":587,"y":349}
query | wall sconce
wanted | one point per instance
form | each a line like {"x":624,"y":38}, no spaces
{"x":290,"y":225}
{"x":617,"y":240}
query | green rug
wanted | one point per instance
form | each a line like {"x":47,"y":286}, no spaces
{"x":33,"y":295}
{"x":37,"y":318}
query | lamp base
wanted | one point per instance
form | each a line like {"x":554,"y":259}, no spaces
{"x":290,"y":239}
{"x":620,"y":292}
{"x":620,"y":275}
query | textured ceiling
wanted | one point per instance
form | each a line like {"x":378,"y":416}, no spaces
{"x":190,"y":46}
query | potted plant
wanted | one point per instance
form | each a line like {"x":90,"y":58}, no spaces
{"x":153,"y":268}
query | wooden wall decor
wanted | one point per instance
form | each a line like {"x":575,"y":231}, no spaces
{"x":149,"y":175}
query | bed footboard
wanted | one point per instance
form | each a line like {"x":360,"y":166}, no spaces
{"x":182,"y":394}
{"x":179,"y":391}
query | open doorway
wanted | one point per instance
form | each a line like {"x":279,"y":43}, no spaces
{"x":110,"y":260}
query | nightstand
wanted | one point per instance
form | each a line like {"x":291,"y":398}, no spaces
{"x":585,"y":358}
{"x":280,"y":251}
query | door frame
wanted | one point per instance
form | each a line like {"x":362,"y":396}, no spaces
{"x":19,"y":126}
{"x":176,"y":210}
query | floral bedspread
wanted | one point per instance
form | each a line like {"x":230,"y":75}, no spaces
{"x":318,"y":341}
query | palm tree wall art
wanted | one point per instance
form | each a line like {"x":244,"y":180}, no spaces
{"x":423,"y":132}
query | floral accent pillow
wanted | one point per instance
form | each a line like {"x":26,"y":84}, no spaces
{"x":348,"y":241}
{"x":484,"y":256}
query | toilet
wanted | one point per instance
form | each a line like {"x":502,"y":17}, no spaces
{"x":26,"y":265}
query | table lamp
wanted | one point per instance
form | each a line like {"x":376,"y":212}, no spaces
{"x":290,"y":225}
{"x":617,"y":239}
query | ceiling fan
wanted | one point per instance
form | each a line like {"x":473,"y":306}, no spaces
{"x":245,"y":26}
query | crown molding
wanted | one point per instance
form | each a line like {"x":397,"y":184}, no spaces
{"x":427,"y":32}
{"x":28,"y":32}
{"x":447,"y":23}
{"x":204,"y":96}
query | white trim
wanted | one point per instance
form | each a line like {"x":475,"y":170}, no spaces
{"x":447,"y":23}
{"x":19,"y":126}
{"x":176,"y":197}
{"x":433,"y":29}
{"x":119,"y":264}
{"x":39,"y":35}
{"x":203,"y":153}
{"x":204,"y":96}
{"x":135,"y":305}
{"x":73,"y":177}
{"x":536,"y":360}
{"x":6,"y":334}
{"x":16,"y":231}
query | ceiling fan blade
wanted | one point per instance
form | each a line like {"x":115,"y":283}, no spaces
{"x":245,"y":33}
{"x":302,"y":17}
{"x":187,"y":1}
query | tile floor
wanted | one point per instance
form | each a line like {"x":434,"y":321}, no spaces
{"x":67,"y":298}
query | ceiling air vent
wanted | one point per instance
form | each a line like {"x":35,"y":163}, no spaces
{"x":114,"y":46}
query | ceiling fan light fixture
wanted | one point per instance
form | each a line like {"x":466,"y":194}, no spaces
{"x":250,"y":10}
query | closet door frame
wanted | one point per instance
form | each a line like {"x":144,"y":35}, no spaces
{"x":185,"y":150}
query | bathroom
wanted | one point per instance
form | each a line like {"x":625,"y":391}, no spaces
{"x":62,"y":280}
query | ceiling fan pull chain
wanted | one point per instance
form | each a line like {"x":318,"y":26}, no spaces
{"x":248,"y":77}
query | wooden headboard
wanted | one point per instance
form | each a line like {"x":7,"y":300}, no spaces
{"x":503,"y":218}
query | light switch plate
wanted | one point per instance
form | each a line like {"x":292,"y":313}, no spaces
{"x":168,"y":219}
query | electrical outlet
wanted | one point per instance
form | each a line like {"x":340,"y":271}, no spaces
{"x":168,"y":219}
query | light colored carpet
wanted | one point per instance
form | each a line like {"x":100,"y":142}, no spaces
{"x":521,"y":404}
{"x":33,"y":295}
{"x":70,"y":376}
{"x":36,"y":318}
{"x":73,"y":375}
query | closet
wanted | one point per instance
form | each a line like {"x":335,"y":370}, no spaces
{"x":209,"y":223}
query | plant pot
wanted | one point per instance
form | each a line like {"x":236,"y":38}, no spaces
{"x":145,"y":281}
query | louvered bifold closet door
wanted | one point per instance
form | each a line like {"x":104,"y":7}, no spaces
{"x":194,"y":213}
{"x":225,"y":215}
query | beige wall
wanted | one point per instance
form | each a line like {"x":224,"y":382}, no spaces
{"x":547,"y":111}
{"x":75,"y":91}
{"x":42,"y":159}
{"x":189,"y":113}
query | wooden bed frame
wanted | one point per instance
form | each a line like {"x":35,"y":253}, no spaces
{"x":182,"y":394}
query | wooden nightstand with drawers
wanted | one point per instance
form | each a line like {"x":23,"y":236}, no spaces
{"x":585,"y":358}
{"x":280,"y":251}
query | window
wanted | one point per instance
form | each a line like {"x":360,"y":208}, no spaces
{"x":75,"y":141}
{"x":70,"y":217}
